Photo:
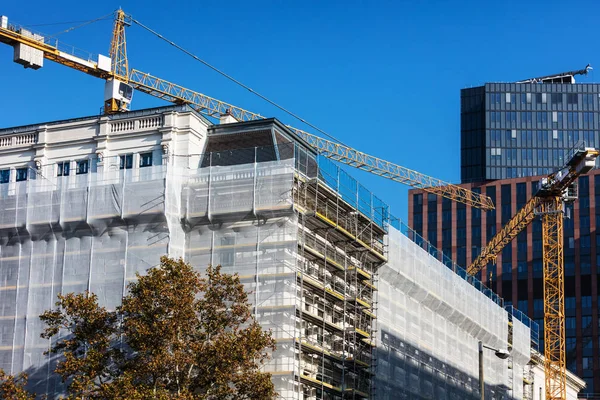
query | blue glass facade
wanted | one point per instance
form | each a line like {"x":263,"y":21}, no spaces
{"x":513,"y":130}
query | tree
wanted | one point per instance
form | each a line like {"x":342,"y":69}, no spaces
{"x":177,"y":335}
{"x":13,"y":388}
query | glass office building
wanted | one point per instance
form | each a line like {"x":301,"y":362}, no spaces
{"x":512,"y":130}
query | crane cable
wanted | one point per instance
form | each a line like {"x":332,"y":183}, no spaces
{"x":83,"y":24}
{"x":231,"y":78}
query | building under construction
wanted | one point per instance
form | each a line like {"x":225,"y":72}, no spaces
{"x":360,"y":305}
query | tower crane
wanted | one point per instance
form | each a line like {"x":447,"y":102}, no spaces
{"x":31,"y":49}
{"x":561,"y":77}
{"x":548,"y":202}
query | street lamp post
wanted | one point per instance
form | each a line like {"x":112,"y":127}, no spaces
{"x":500,"y":353}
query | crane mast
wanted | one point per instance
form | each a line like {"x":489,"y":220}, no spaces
{"x":121,"y":80}
{"x":554,"y":191}
{"x":548,"y":202}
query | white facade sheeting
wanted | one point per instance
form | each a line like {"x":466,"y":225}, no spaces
{"x":95,"y":231}
{"x":430,"y":321}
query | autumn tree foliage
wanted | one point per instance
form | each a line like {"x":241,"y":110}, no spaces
{"x":13,"y":387}
{"x":177,"y":335}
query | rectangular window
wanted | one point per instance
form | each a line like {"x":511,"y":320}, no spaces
{"x":21,"y":174}
{"x":586,"y":301}
{"x":556,"y":98}
{"x":126,"y":161}
{"x":82,"y":167}
{"x":63,"y":168}
{"x":5,"y":176}
{"x":524,"y":98}
{"x":572,"y":98}
{"x":542,"y":117}
{"x":146,"y":160}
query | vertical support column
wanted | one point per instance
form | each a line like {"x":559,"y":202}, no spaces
{"x":554,"y":302}
{"x":481,"y":377}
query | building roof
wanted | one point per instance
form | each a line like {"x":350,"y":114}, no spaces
{"x":129,"y":114}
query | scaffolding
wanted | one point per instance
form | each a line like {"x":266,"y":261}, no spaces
{"x":341,"y":249}
{"x":307,"y":240}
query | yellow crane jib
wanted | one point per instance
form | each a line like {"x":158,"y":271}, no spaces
{"x":30,"y":49}
{"x":580,"y":162}
{"x":548,"y":202}
{"x":377,"y":166}
{"x":121,"y":80}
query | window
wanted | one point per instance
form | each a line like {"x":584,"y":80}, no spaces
{"x":584,"y":221}
{"x":227,"y":255}
{"x":21,"y":174}
{"x":63,"y":168}
{"x":586,"y":301}
{"x":522,"y":305}
{"x":146,"y":160}
{"x":540,"y":98}
{"x":556,"y":98}
{"x":506,"y":269}
{"x":82,"y":167}
{"x":586,"y":321}
{"x":571,"y":98}
{"x":525,"y":98}
{"x":5,"y":176}
{"x":588,"y":100}
{"x":126,"y":161}
{"x":571,"y":343}
{"x":542,"y":117}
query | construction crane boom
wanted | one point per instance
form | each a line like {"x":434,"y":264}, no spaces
{"x":15,"y":36}
{"x":118,"y":101}
{"x":548,"y":202}
{"x":558,"y":77}
{"x":510,"y":231}
{"x":554,"y":185}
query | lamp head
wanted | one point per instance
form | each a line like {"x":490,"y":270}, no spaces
{"x":502,"y":354}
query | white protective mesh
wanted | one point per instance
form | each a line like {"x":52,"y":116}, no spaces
{"x":430,"y":321}
{"x":520,"y":355}
{"x":96,"y":231}
{"x":70,"y":234}
{"x":224,"y":208}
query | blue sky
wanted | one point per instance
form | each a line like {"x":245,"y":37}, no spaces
{"x":381,"y":76}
